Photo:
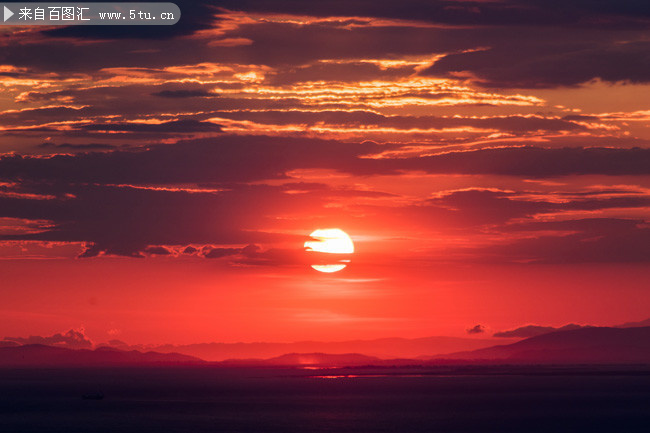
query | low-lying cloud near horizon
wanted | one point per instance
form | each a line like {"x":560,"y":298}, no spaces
{"x":73,"y":339}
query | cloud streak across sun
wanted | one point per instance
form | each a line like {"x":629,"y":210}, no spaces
{"x":330,"y":241}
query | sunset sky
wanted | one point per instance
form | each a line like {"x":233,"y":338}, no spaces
{"x":489,"y":159}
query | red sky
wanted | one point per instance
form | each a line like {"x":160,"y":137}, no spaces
{"x":157,"y":184}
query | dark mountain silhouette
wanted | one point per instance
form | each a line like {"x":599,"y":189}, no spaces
{"x":585,"y":345}
{"x":37,"y":355}
{"x":642,"y":323}
{"x":380,"y":348}
{"x":593,"y":345}
{"x":311,"y":360}
{"x":535,"y":330}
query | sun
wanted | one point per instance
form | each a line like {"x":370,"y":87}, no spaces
{"x":330,"y":241}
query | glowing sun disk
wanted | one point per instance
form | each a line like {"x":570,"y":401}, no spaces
{"x":332,"y":241}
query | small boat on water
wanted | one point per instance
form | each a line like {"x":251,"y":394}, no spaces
{"x":93,"y":396}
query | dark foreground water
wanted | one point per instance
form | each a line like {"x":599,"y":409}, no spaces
{"x":275,"y":400}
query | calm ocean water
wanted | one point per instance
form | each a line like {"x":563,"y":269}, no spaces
{"x":276,"y":400}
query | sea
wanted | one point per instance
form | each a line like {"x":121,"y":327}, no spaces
{"x":209,"y":399}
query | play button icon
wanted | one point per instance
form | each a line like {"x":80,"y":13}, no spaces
{"x":8,"y":13}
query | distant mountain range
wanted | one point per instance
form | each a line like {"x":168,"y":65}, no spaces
{"x":593,"y":345}
{"x":311,"y":360}
{"x":384,"y":348}
{"x":381,"y":348}
{"x":642,"y":323}
{"x":585,"y":345}
{"x":37,"y":355}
